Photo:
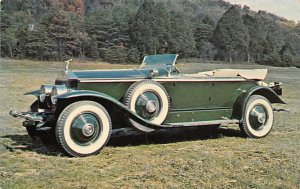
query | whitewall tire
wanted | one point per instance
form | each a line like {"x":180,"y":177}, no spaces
{"x":150,"y":101}
{"x":258,"y":117}
{"x":83,"y":128}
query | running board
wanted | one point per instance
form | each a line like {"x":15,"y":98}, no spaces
{"x":202,"y":123}
{"x":280,"y":110}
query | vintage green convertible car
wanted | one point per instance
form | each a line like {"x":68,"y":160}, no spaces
{"x":85,"y":106}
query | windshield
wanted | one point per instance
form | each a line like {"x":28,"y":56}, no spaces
{"x":161,"y":60}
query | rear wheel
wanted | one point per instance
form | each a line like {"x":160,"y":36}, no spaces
{"x":149,"y":100}
{"x":83,"y":128}
{"x":258,"y":117}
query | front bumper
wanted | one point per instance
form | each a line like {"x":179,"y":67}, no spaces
{"x":33,"y":119}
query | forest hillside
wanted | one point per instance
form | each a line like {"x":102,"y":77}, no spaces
{"x":123,"y":31}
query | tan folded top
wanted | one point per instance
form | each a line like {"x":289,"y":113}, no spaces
{"x":255,"y":74}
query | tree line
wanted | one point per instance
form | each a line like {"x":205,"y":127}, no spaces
{"x":124,"y":32}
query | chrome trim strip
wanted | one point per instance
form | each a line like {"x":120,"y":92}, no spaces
{"x":108,"y":80}
{"x":199,"y":109}
{"x":201,"y":123}
{"x":97,"y":70}
{"x":88,"y":80}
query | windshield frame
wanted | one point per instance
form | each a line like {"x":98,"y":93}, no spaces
{"x":167,"y":60}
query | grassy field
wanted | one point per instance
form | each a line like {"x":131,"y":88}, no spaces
{"x":191,"y":158}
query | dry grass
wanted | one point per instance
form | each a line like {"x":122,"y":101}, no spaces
{"x":193,"y":158}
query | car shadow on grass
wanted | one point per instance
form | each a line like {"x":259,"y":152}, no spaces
{"x":130,"y":137}
{"x":23,"y":142}
{"x":120,"y":138}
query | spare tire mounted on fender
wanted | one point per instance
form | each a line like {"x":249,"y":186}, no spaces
{"x":149,"y":100}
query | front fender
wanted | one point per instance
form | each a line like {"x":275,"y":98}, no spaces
{"x":74,"y":96}
{"x":35,"y":93}
{"x":240,"y":103}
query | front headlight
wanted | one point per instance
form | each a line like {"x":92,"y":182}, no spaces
{"x":45,"y":91}
{"x":57,"y":90}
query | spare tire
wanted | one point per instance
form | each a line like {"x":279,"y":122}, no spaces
{"x":149,"y":100}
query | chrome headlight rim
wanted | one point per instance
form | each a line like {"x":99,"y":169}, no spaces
{"x":42,"y":97}
{"x":45,"y":91}
{"x":54,"y":99}
{"x":56,"y":91}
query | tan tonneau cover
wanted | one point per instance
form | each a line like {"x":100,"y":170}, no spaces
{"x":255,"y":74}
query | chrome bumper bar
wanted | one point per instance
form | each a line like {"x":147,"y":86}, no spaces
{"x":33,"y":119}
{"x":31,"y":116}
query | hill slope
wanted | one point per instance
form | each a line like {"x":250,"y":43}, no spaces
{"x":125,"y":30}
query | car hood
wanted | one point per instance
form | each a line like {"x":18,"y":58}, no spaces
{"x":108,"y":74}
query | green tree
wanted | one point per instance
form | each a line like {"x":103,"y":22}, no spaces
{"x":287,"y":54}
{"x":142,"y":29}
{"x":203,"y":34}
{"x":93,"y":50}
{"x":181,"y":36}
{"x":110,"y":34}
{"x":61,"y":31}
{"x":8,"y":42}
{"x":231,"y":35}
{"x":293,"y":39}
{"x":257,"y":43}
{"x":150,"y":27}
{"x":39,"y":44}
{"x":14,"y":28}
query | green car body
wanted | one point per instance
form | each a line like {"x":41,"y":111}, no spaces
{"x":193,"y":101}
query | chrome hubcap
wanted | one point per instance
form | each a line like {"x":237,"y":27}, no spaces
{"x":88,"y":130}
{"x":261,"y":118}
{"x":150,"y":106}
{"x":258,"y":117}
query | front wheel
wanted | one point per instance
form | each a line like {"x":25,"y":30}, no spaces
{"x":258,"y":117}
{"x":83,"y":128}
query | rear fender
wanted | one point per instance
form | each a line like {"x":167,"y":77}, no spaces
{"x":105,"y":100}
{"x":240,"y":103}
